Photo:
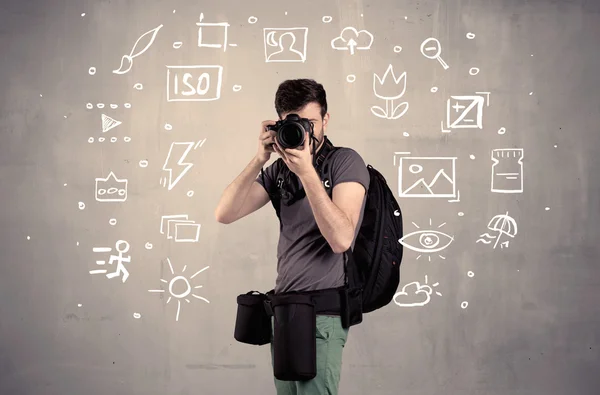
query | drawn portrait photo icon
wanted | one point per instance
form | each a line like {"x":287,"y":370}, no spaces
{"x":429,"y":241}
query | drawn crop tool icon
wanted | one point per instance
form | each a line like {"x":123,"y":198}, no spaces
{"x":430,"y":241}
{"x":141,"y":45}
{"x":181,"y":282}
{"x":111,"y":189}
{"x":405,"y":299}
{"x":396,"y":91}
{"x":503,"y":224}
{"x":203,"y":25}
{"x":351,"y":39}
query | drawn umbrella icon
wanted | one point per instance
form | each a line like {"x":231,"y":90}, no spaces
{"x":503,"y":224}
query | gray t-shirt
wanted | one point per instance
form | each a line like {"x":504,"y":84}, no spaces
{"x":305,"y":261}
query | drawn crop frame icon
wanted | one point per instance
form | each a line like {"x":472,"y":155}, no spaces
{"x":205,"y":76}
{"x":224,"y":25}
{"x":268,"y":36}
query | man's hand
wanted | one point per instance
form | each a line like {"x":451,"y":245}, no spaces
{"x":297,"y":160}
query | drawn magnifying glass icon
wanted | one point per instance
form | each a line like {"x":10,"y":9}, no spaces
{"x":431,"y":49}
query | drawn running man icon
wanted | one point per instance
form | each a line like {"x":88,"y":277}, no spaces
{"x":122,"y":247}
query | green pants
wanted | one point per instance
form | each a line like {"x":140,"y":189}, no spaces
{"x":331,"y":338}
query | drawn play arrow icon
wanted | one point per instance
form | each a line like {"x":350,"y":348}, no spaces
{"x":109,"y":123}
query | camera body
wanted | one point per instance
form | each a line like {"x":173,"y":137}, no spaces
{"x":290,"y":131}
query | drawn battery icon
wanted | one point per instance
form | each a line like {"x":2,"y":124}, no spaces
{"x":507,"y":170}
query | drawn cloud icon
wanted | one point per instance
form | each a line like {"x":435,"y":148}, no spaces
{"x":352,"y":39}
{"x":413,"y":294}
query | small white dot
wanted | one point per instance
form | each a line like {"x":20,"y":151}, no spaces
{"x":397,"y":49}
{"x":83,"y":14}
{"x":237,"y":88}
{"x":79,"y":305}
{"x":405,"y":17}
{"x":28,"y":238}
{"x":41,"y":95}
{"x":472,"y":156}
{"x":470,"y":36}
{"x":460,"y":213}
{"x":81,"y":205}
{"x":65,"y":116}
{"x":350,"y":78}
{"x":173,"y":11}
{"x":101,"y":139}
{"x":531,"y":54}
{"x":530,"y":93}
{"x":112,"y":221}
{"x":555,"y":146}
{"x":252,"y":20}
{"x":502,"y":130}
{"x":92,"y":70}
{"x":190,"y":193}
{"x":405,"y":134}
{"x":464,"y":304}
{"x":326,"y":19}
{"x":547,"y":208}
{"x":168,"y":126}
{"x":113,"y":106}
{"x":285,"y":13}
{"x":473,"y":71}
{"x":89,"y":106}
{"x":433,"y":89}
{"x":143,"y":163}
{"x":127,"y":105}
{"x":136,"y":315}
{"x":361,"y":15}
{"x":100,"y":105}
{"x":91,"y":140}
{"x":126,"y":139}
{"x":148,"y":246}
{"x":470,"y":273}
{"x":65,"y":184}
{"x":77,"y":243}
{"x":138,"y":86}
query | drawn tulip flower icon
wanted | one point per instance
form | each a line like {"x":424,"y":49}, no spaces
{"x":389,"y":92}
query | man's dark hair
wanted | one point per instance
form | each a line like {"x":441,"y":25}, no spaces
{"x":293,"y":95}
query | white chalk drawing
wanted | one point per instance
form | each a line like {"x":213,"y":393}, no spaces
{"x":111,"y":189}
{"x":137,"y":316}
{"x":433,"y":89}
{"x":185,"y":283}
{"x":471,"y":36}
{"x":122,"y":247}
{"x":465,"y":112}
{"x":175,"y":165}
{"x":168,"y":126}
{"x":502,"y":130}
{"x":145,"y":39}
{"x":252,"y":20}
{"x":432,"y":49}
{"x":190,"y":193}
{"x":326,"y":19}
{"x":143,"y":163}
{"x":92,"y":70}
{"x":199,"y":83}
{"x":473,"y":71}
{"x":415,"y":295}
{"x":351,"y":78}
{"x":236,"y":88}
{"x":389,"y":92}
{"x":112,"y":139}
{"x":219,"y":25}
{"x":429,"y":241}
{"x":502,"y":224}
{"x":428,"y":177}
{"x":139,"y":86}
{"x":81,"y":205}
{"x":177,"y":44}
{"x":148,"y":246}
{"x":397,"y":49}
{"x":285,"y":44}
{"x":179,"y":228}
{"x":351,"y":40}
{"x":90,"y":106}
{"x":507,"y":170}
{"x":109,"y":123}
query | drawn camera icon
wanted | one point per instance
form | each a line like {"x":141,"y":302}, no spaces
{"x":111,"y":189}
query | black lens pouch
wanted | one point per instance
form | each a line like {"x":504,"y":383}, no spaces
{"x":252,"y":324}
{"x":294,"y":337}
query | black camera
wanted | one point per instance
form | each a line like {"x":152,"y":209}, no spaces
{"x":290,"y":131}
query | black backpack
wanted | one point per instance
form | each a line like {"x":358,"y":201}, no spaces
{"x":377,"y":251}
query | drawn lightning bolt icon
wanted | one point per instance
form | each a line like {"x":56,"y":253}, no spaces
{"x":175,"y":163}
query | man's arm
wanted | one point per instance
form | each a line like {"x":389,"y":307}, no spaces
{"x":233,"y":198}
{"x":335,"y":225}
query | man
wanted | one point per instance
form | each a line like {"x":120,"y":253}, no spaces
{"x":316,"y":230}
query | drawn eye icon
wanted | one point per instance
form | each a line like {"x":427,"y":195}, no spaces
{"x":429,"y":241}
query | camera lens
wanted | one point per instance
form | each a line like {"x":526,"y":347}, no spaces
{"x":291,"y":135}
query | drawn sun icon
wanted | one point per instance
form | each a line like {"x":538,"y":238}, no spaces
{"x":180,"y":287}
{"x":430,"y":241}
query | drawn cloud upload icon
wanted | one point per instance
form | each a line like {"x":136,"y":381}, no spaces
{"x":351,"y":39}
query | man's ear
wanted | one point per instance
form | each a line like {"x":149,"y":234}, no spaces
{"x":325,"y":122}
